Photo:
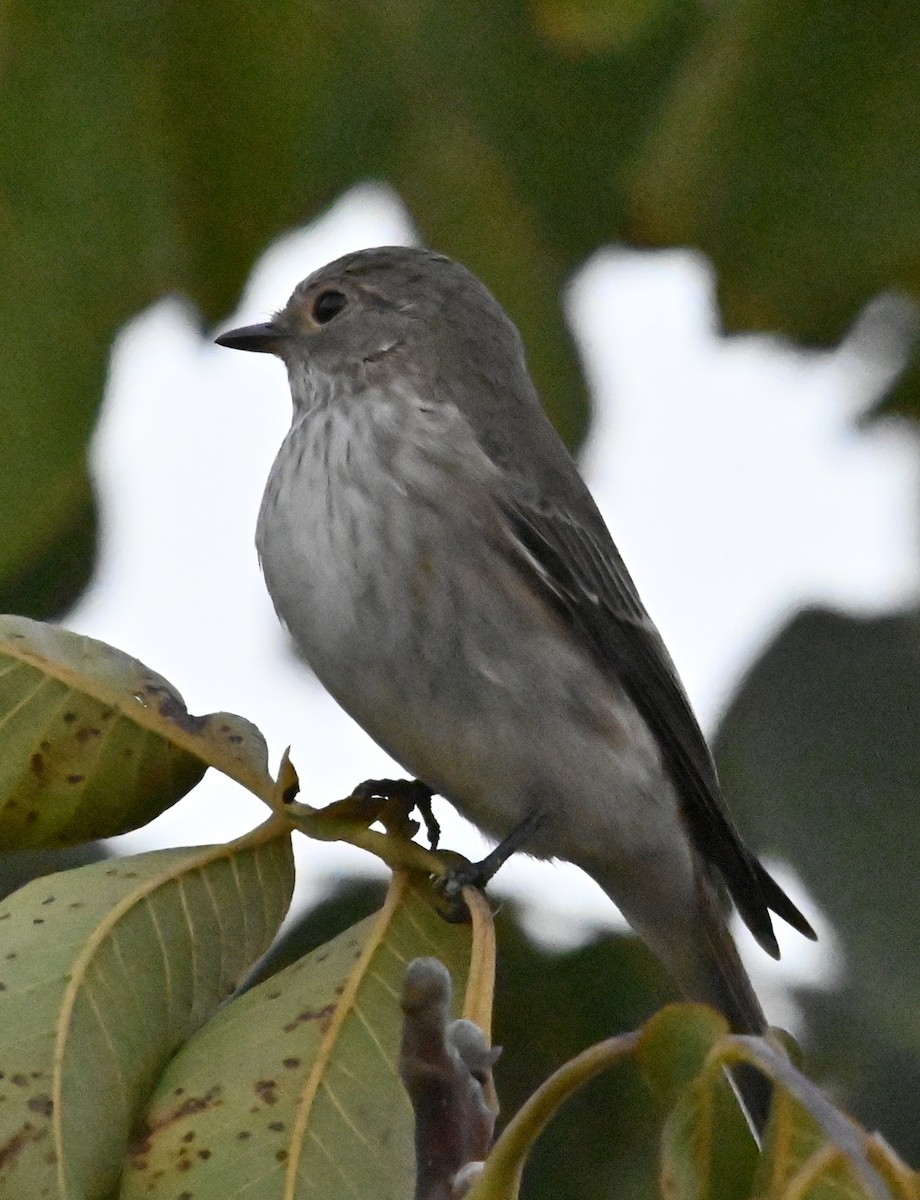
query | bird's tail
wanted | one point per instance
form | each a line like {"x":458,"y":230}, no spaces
{"x":699,"y":951}
{"x":712,"y":972}
{"x":709,"y":968}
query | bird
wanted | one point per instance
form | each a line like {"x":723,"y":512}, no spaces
{"x":429,"y":543}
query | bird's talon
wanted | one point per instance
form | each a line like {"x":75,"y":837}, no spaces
{"x":411,"y":792}
{"x":450,"y":887}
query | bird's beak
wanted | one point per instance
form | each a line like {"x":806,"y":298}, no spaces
{"x":264,"y":338}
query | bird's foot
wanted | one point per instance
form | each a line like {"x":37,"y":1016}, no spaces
{"x":411,"y":792}
{"x":478,"y":874}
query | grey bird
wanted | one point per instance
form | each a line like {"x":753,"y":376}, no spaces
{"x":428,"y":541}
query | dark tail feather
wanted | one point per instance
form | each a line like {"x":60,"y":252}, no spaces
{"x":695,"y":945}
{"x":716,"y":976}
{"x":777,"y":901}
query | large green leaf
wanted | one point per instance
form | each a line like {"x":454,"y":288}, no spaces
{"x":85,"y":240}
{"x":789,"y":152}
{"x":292,"y":1090}
{"x":45,"y":588}
{"x":820,"y":755}
{"x":93,"y":743}
{"x":105,"y":971}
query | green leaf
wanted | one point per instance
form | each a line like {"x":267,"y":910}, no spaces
{"x":707,"y":1151}
{"x":820,"y":757}
{"x":104,"y":972}
{"x":871,"y":1067}
{"x":812,"y":1149}
{"x":799,"y":1158}
{"x":549,"y":1006}
{"x":514,"y":167}
{"x":267,"y":108}
{"x":56,"y":571}
{"x":674,"y":1045}
{"x":789,"y":152}
{"x":93,"y":743}
{"x":292,"y":1090}
{"x":706,"y":1147}
{"x":85,"y":236}
{"x":589,"y":26}
{"x":504,"y":1166}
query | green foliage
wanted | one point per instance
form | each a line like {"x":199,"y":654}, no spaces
{"x":107,"y":969}
{"x":93,"y":743}
{"x":148,"y":150}
{"x":125,"y":1071}
{"x":294,"y":1084}
{"x":828,"y":722}
{"x":787,"y":151}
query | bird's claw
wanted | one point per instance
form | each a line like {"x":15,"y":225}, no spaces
{"x":450,"y":887}
{"x":411,"y":792}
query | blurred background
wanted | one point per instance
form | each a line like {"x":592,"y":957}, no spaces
{"x":705,"y":219}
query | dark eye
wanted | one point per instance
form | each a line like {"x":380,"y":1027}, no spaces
{"x":327,"y":304}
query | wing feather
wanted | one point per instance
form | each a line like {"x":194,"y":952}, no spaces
{"x":580,"y":572}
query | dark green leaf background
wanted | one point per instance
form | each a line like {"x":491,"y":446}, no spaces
{"x":153,"y":147}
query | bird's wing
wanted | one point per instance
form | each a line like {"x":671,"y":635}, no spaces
{"x":572,"y":561}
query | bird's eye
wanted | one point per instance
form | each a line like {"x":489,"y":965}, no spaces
{"x":327,"y":304}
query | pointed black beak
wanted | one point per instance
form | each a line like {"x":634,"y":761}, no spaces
{"x":264,"y":338}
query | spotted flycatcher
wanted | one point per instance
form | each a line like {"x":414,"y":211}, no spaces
{"x":428,"y":541}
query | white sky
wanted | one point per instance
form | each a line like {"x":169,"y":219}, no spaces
{"x":730,"y":471}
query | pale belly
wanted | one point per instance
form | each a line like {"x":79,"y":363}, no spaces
{"x":413,"y":618}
